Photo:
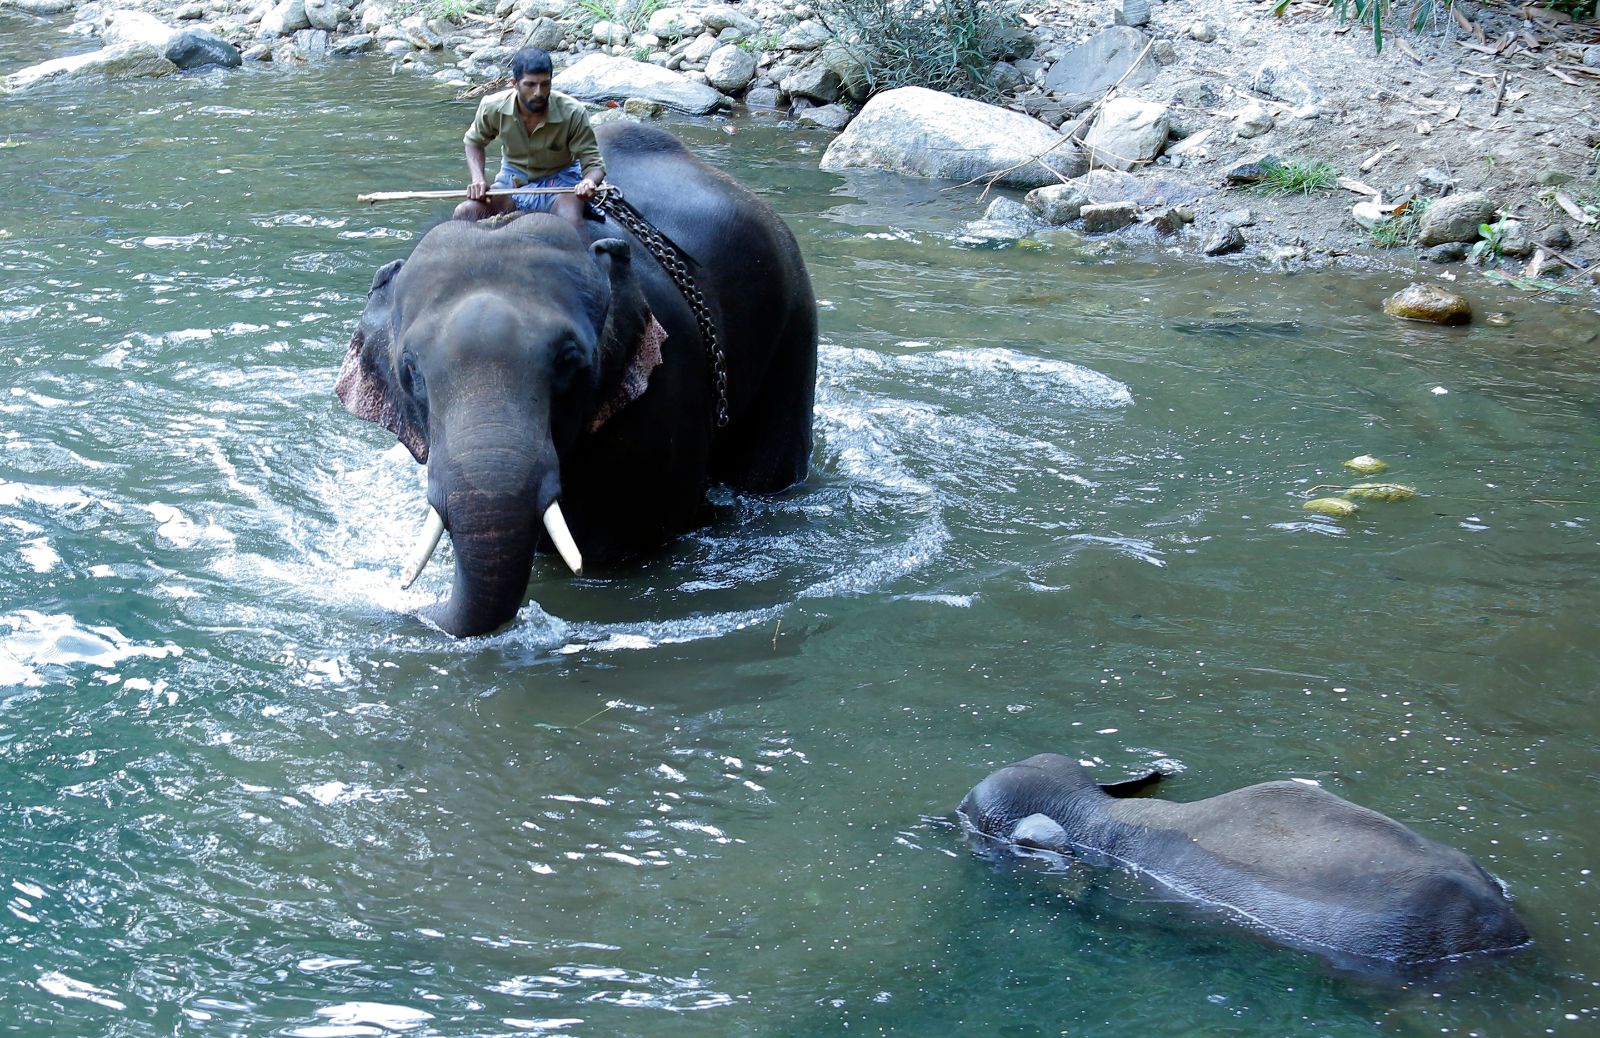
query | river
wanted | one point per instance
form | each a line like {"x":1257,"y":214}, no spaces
{"x":1054,"y":505}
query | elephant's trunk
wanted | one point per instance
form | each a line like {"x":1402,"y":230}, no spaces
{"x":491,"y":576}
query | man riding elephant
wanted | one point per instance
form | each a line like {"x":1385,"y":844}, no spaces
{"x":545,"y":139}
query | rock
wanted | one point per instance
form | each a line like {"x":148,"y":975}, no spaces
{"x":1556,"y":236}
{"x":1109,"y":185}
{"x":127,"y":61}
{"x":1515,"y":239}
{"x":190,"y":12}
{"x":1127,"y":134}
{"x":1591,"y":56}
{"x":1194,"y":146}
{"x":674,"y":23}
{"x":325,"y":14}
{"x":1436,"y":180}
{"x":135,"y":28}
{"x":1223,"y":239}
{"x":1252,"y":121}
{"x":1164,"y":52}
{"x":1455,"y":218}
{"x":763,"y":98}
{"x":1004,"y":77}
{"x":1132,"y":12}
{"x":1201,"y":30}
{"x":730,"y":69}
{"x":722,"y":16}
{"x":924,"y":133}
{"x":1085,"y":71}
{"x":596,"y":77}
{"x":828,"y":117}
{"x":360,"y":43}
{"x":196,"y":48}
{"x":1421,"y":302}
{"x":286,"y":18}
{"x":41,"y":8}
{"x":1236,"y":218}
{"x":263,"y":52}
{"x":1198,"y":93}
{"x":643,"y":108}
{"x":609,"y":34}
{"x":311,"y":43}
{"x":807,"y":35}
{"x":1251,"y":171}
{"x":1171,"y":219}
{"x":1005,"y":219}
{"x":545,"y":33}
{"x":853,"y":80}
{"x":1057,"y":203}
{"x":1372,"y":215}
{"x":1449,"y":252}
{"x":1285,"y":81}
{"x":817,"y":83}
{"x":1107,"y":217}
{"x":1554,"y":178}
{"x":701,"y":48}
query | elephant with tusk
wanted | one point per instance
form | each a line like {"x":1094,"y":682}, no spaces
{"x":556,"y":384}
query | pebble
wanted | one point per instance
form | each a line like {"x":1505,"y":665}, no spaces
{"x":1420,"y":302}
{"x":1226,"y":238}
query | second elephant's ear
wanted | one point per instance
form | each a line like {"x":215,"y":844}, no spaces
{"x":365,"y":385}
{"x":612,"y":250}
{"x":1132,"y":787}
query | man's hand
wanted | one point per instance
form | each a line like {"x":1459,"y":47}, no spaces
{"x":477,"y":190}
{"x":584,"y":189}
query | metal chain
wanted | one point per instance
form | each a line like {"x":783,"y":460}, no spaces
{"x":609,"y":202}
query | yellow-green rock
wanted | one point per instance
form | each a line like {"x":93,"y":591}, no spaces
{"x":1428,"y":303}
{"x":1337,"y":507}
{"x":1381,"y":492}
{"x":1366,"y":465}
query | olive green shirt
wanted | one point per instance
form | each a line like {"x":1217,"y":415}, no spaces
{"x":565,"y":135}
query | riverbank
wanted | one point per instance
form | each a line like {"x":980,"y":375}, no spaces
{"x":1491,"y":110}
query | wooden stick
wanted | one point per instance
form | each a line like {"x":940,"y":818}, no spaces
{"x":498,"y":192}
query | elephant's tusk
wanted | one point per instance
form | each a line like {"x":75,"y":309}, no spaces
{"x":556,"y":524}
{"x":432,"y":530}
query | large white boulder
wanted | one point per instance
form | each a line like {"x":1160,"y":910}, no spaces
{"x":1128,"y":133}
{"x":127,"y":61}
{"x":730,"y":69}
{"x":135,"y":28}
{"x":925,"y":133}
{"x":596,"y":77}
{"x":286,"y":19}
{"x":672,"y":23}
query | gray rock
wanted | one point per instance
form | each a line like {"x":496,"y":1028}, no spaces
{"x":1286,"y":81}
{"x":1554,"y":178}
{"x":1424,"y":302}
{"x":1004,"y":77}
{"x":1455,"y":218}
{"x":1449,"y":252}
{"x":1436,"y":180}
{"x":763,"y":98}
{"x":701,"y":49}
{"x":1236,"y":218}
{"x":42,"y":8}
{"x":1251,"y":171}
{"x":1556,"y":236}
{"x":325,"y":14}
{"x":925,"y":133}
{"x":598,"y":78}
{"x":722,"y":16}
{"x":730,"y":69}
{"x":1226,"y":238}
{"x":1005,"y":218}
{"x":1107,"y":217}
{"x":545,"y":33}
{"x":196,"y":48}
{"x":1515,"y":239}
{"x":808,"y":35}
{"x":1057,"y":203}
{"x":828,"y":117}
{"x":263,"y":52}
{"x":1084,"y":72}
{"x":359,"y":43}
{"x":1146,"y":189}
{"x":286,"y":18}
{"x":1201,"y":30}
{"x":1132,"y":12}
{"x":1252,"y":121}
{"x":674,"y":23}
{"x":313,"y":43}
{"x":642,"y":108}
{"x":1164,"y":52}
{"x":190,"y":12}
{"x":1127,"y":134}
{"x":1171,"y":219}
{"x":416,"y":31}
{"x":853,"y":81}
{"x":1591,"y":56}
{"x":1198,"y":93}
{"x":818,"y":83}
{"x":127,"y":61}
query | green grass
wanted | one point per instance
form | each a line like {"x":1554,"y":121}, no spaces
{"x":1302,"y":178}
{"x":1402,"y":230}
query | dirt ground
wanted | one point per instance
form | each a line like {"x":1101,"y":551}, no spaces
{"x":1488,"y":98}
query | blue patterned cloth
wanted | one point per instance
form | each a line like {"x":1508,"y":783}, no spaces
{"x":513,"y":176}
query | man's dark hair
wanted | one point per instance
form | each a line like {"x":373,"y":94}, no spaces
{"x":530,"y":59}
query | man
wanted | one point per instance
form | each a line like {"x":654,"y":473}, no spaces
{"x":546,"y":141}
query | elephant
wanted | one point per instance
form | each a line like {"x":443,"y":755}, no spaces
{"x":555,"y":382}
{"x":1310,"y":869}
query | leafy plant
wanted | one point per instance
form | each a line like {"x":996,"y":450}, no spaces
{"x":946,"y":45}
{"x":633,"y":16}
{"x":1372,"y":13}
{"x":1289,"y":178}
{"x":1487,"y":247}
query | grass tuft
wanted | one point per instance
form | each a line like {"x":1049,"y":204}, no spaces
{"x":1302,"y":178}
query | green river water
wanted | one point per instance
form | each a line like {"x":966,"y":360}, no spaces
{"x":1054,"y":506}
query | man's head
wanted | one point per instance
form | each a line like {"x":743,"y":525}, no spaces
{"x":530,"y":74}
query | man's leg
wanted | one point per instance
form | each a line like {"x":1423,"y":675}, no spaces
{"x":470,"y":210}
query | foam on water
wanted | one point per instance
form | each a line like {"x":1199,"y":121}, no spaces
{"x":36,"y":641}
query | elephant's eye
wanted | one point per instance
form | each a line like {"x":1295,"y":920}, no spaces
{"x":569,"y":359}
{"x":411,"y":382}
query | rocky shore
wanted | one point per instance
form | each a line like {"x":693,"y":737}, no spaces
{"x":1210,"y":127}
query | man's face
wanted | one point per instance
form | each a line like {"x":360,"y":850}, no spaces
{"x":533,"y":91}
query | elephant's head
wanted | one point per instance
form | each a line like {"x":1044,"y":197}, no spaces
{"x":490,"y":353}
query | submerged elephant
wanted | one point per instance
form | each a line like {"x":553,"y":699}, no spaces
{"x":556,"y":383}
{"x":1295,"y":860}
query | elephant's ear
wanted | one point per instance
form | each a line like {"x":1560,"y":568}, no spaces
{"x":1132,"y":787}
{"x":364,"y":385}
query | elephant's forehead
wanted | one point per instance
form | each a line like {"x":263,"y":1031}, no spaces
{"x":529,"y":272}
